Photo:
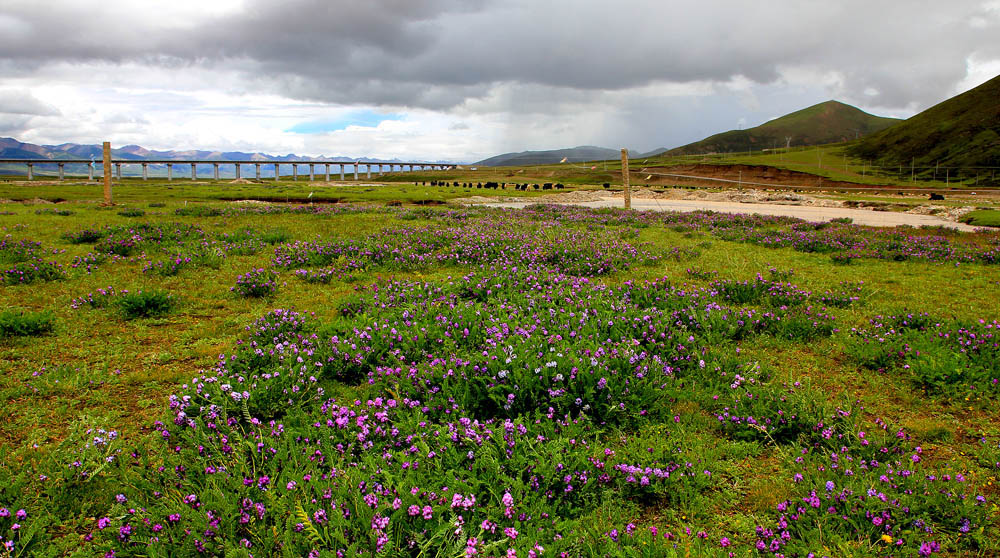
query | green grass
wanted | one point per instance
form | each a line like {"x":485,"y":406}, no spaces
{"x":99,"y":369}
{"x":982,"y":218}
{"x":387,"y":190}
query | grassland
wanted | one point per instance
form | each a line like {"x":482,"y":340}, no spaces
{"x":982,"y":218}
{"x":820,"y":296}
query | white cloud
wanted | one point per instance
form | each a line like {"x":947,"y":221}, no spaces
{"x":470,"y":78}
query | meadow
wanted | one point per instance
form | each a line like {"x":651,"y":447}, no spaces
{"x":208,"y":379}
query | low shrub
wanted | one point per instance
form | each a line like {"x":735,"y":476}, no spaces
{"x":24,"y":324}
{"x":256,"y":283}
{"x":24,"y":273}
{"x":144,"y":304}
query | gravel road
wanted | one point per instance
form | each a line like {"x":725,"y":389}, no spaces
{"x":809,"y":213}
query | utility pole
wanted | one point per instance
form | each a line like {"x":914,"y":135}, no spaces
{"x":107,"y":173}
{"x":625,"y":184}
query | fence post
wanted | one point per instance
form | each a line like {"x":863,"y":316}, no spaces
{"x":107,"y":173}
{"x":625,"y":182}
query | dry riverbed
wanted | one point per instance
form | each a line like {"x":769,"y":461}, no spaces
{"x":891,"y":212}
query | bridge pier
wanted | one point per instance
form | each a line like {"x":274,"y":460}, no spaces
{"x":373,"y":169}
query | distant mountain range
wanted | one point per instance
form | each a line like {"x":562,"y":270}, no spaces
{"x":11,"y":148}
{"x":963,"y":131}
{"x":572,"y":155}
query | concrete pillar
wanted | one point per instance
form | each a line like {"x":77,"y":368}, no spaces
{"x":215,"y":170}
{"x":327,"y":172}
{"x":256,"y":168}
{"x":60,"y":171}
{"x":237,"y":171}
{"x":145,"y":171}
{"x":295,"y":171}
{"x":380,"y":171}
{"x":356,"y":165}
{"x":170,"y":171}
{"x":31,"y":171}
{"x":118,"y":170}
{"x":194,"y":171}
{"x":368,"y":170}
{"x":90,"y":172}
{"x":312,"y":172}
{"x":341,"y":171}
{"x":277,"y":171}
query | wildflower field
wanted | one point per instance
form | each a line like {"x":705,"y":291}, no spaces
{"x":363,"y":380}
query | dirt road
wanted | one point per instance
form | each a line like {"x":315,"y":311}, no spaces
{"x":809,"y":213}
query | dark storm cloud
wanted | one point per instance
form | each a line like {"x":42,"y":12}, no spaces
{"x":440,"y":53}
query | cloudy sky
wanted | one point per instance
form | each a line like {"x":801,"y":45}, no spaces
{"x":463,"y":80}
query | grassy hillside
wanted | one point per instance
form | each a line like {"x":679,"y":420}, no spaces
{"x":963,"y":131}
{"x":828,"y":122}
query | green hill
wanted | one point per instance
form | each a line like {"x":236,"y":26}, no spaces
{"x":828,"y":122}
{"x":963,"y":131}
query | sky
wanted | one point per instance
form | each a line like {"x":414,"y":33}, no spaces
{"x":462,"y":80}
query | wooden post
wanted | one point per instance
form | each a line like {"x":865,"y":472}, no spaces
{"x":107,"y":173}
{"x":625,"y":183}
